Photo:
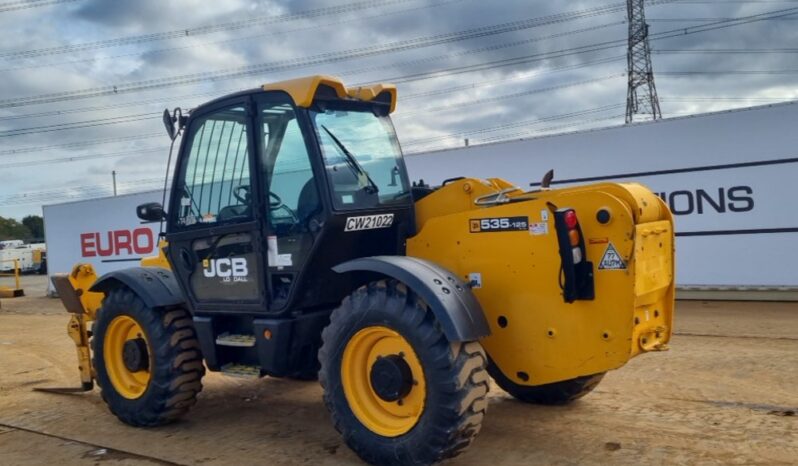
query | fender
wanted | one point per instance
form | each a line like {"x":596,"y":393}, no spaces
{"x":156,"y":286}
{"x":454,"y":305}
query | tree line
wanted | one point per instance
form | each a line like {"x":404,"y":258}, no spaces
{"x":31,"y":228}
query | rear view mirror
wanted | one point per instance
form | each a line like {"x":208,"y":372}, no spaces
{"x":151,"y":212}
{"x":169,"y":124}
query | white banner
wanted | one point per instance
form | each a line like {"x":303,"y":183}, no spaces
{"x":103,"y":232}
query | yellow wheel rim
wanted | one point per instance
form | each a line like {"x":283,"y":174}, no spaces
{"x":129,"y":384}
{"x":386,"y":418}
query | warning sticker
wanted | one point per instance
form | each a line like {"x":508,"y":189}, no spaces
{"x":612,"y":260}
{"x":538,"y":229}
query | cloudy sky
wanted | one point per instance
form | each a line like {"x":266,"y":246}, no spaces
{"x":84,"y":81}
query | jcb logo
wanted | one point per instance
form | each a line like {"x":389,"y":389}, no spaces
{"x":228,"y":269}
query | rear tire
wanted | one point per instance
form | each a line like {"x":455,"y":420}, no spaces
{"x":169,"y":385}
{"x":449,"y":379}
{"x":557,"y":393}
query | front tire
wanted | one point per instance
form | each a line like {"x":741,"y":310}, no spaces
{"x":397,"y":389}
{"x":557,"y":393}
{"x":147,"y":362}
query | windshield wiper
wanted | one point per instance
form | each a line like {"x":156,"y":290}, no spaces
{"x":354,"y":165}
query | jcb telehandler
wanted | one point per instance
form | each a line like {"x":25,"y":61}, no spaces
{"x":296,"y":246}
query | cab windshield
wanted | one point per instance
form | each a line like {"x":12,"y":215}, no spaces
{"x":362,"y":158}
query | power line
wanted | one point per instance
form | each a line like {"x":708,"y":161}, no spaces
{"x":89,"y":190}
{"x":97,"y":108}
{"x":727,"y":72}
{"x":398,"y":79}
{"x":314,"y":26}
{"x":490,"y":48}
{"x":704,"y":20}
{"x":350,"y":72}
{"x":450,"y":90}
{"x":72,"y":192}
{"x":79,"y":124}
{"x":724,"y":51}
{"x":729,"y":99}
{"x":474,"y":85}
{"x":517,"y":124}
{"x":555,"y":130}
{"x":15,"y":6}
{"x":737,"y":20}
{"x":151,"y":116}
{"x":82,"y":157}
{"x":201,"y":30}
{"x":515,"y":95}
{"x":397,"y":46}
{"x":329,"y":57}
{"x":77,"y":144}
{"x":549,"y":55}
{"x":560,"y":129}
{"x":729,"y":2}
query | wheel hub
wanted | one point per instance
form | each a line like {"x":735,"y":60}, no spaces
{"x":383,"y":381}
{"x":135,"y":356}
{"x":391,"y":377}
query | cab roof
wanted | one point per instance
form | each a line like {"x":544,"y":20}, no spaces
{"x":304,"y":91}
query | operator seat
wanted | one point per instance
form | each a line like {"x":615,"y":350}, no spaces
{"x":308,"y":203}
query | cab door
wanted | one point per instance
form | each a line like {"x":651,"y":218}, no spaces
{"x":294,"y":209}
{"x":215,"y":244}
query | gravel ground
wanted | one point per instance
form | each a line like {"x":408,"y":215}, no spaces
{"x":726,"y":393}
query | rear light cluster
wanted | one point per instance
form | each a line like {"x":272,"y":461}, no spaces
{"x":574,"y":238}
{"x":576,"y":274}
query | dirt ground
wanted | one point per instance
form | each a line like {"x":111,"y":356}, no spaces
{"x":726,"y":393}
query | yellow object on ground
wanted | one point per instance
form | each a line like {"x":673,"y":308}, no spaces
{"x":15,"y":290}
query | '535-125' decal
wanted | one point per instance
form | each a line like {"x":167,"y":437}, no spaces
{"x":488,"y":225}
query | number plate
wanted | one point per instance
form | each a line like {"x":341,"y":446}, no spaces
{"x":496,"y":224}
{"x":368,"y":222}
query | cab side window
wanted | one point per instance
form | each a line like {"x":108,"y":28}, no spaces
{"x":293,"y":196}
{"x":215,"y":179}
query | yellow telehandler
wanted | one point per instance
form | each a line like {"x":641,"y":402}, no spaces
{"x":296,"y":246}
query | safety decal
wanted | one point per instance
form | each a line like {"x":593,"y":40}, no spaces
{"x":611,"y":259}
{"x":368,"y":222}
{"x":538,"y":229}
{"x":496,"y":224}
{"x":598,"y":240}
{"x":274,"y":257}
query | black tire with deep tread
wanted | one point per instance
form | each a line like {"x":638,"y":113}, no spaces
{"x":557,"y":393}
{"x":175,"y":361}
{"x":455,"y":373}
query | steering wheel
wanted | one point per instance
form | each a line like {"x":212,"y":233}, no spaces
{"x":275,"y":202}
{"x":241,"y":193}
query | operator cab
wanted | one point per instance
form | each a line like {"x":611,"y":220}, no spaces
{"x":275,"y":186}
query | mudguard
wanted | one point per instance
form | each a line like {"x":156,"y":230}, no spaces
{"x":156,"y":286}
{"x":454,"y":305}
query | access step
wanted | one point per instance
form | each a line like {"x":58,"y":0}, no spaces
{"x":231,"y":339}
{"x":241,"y":370}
